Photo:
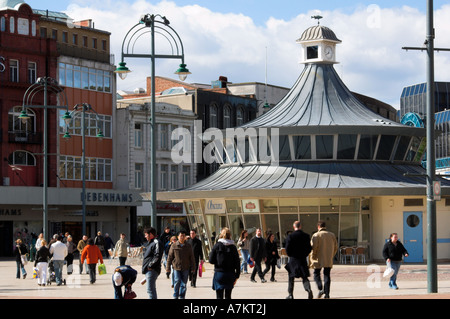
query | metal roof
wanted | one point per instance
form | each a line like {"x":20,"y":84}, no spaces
{"x":318,"y":32}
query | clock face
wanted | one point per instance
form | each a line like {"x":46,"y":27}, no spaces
{"x":328,"y":52}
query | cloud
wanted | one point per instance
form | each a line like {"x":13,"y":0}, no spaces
{"x":371,"y":58}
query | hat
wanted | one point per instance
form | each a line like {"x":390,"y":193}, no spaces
{"x":250,"y":262}
{"x":117,"y":278}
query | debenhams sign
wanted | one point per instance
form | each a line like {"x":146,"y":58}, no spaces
{"x":105,"y":197}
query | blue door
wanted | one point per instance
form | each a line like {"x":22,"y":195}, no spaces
{"x":413,"y":236}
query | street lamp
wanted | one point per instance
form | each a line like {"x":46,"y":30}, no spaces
{"x":158,"y":25}
{"x":83,"y":108}
{"x":46,"y":85}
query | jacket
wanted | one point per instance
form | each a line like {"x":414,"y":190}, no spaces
{"x":225,"y":257}
{"x":42,"y":255}
{"x":58,"y":250}
{"x":244,"y":244}
{"x":197,"y":248}
{"x":298,"y":247}
{"x":152,"y":256}
{"x":271,"y":247}
{"x":81,"y":245}
{"x":91,"y":253}
{"x":258,"y":248}
{"x":181,"y":257}
{"x":20,"y":250}
{"x":324,"y":248}
{"x":120,"y":250}
{"x":394,"y":252}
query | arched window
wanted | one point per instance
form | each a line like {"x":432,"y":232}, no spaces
{"x":227,"y":117}
{"x":11,"y":25}
{"x":17,"y":126}
{"x":22,"y":158}
{"x":213,"y":116}
{"x":239,"y":116}
{"x":2,"y":24}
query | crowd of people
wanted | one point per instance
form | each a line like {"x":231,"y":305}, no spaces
{"x":182,"y":257}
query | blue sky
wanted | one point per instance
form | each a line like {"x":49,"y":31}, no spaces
{"x":231,"y":38}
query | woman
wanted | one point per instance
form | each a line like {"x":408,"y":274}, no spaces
{"x":91,"y":253}
{"x":393,"y":252}
{"x":225,"y":258}
{"x":272,"y":256}
{"x":41,"y":263}
{"x":21,"y":249}
{"x":244,"y":247}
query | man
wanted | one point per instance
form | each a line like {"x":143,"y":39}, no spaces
{"x":257,"y":254}
{"x":165,"y":236}
{"x":81,"y":244}
{"x":151,"y":265}
{"x":181,"y":258}
{"x":100,"y":242}
{"x":124,"y":276}
{"x":198,"y":254}
{"x":59,"y":252}
{"x":324,"y":248}
{"x":120,"y":249}
{"x":298,"y":247}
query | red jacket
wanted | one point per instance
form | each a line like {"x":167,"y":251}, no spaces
{"x":92,"y":254}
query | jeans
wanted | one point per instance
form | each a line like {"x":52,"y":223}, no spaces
{"x":245,"y":254}
{"x":151,"y":277}
{"x":58,"y":265}
{"x":393,"y":280}
{"x":42,"y":273}
{"x":181,"y":278}
{"x":20,"y":266}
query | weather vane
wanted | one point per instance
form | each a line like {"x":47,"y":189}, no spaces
{"x":317,"y":17}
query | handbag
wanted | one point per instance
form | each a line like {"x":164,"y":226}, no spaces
{"x":279,"y":263}
{"x":23,"y":258}
{"x":389,"y":270}
{"x":101,"y":269}
{"x":129,"y":294}
{"x":200,"y":268}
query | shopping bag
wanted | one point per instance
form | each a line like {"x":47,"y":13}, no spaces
{"x":24,"y":259}
{"x":389,"y":271}
{"x":200,"y":269}
{"x":101,"y":269}
{"x":35,"y":273}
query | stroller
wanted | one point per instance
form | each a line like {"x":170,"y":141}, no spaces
{"x":52,"y":276}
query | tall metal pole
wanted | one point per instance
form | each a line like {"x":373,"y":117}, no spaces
{"x":153,"y":177}
{"x":83,"y":171}
{"x":45,"y":177}
{"x":431,"y":161}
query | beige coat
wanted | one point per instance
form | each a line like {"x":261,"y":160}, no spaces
{"x":120,"y":249}
{"x":324,"y":248}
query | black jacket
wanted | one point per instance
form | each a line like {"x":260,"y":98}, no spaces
{"x":225,"y":258}
{"x":270,"y":249}
{"x":152,"y":256}
{"x":258,"y":248}
{"x":20,"y":250}
{"x":394,"y":252}
{"x":298,"y":247}
{"x":42,"y":255}
{"x":197,"y":248}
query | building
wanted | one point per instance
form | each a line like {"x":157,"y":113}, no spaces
{"x":133,"y":166}
{"x":325,"y":156}
{"x":413,"y":110}
{"x":38,"y":44}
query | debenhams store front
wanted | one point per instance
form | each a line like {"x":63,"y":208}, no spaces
{"x":21,"y":213}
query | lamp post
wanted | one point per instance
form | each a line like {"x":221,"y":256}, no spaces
{"x":158,"y":25}
{"x":83,"y":108}
{"x":46,"y":85}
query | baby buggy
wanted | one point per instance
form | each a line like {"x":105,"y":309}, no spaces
{"x":52,"y":276}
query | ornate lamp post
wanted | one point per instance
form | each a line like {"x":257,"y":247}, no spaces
{"x":158,"y":25}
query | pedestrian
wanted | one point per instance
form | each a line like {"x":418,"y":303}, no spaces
{"x":172,"y":240}
{"x":225,"y":258}
{"x":244,"y":247}
{"x":41,"y":263}
{"x":393,"y":252}
{"x":99,"y":241}
{"x":165,"y":236}
{"x":109,"y":244}
{"x":324,"y":248}
{"x":272,"y":256}
{"x":81,"y":244}
{"x":198,"y":254}
{"x":20,"y":250}
{"x":298,"y":247}
{"x":181,"y":258}
{"x":71,"y":249}
{"x":59,"y":253}
{"x":92,"y":254}
{"x":124,"y":276}
{"x":39,"y":241}
{"x":120,"y":250}
{"x":151,"y":265}
{"x":257,"y":255}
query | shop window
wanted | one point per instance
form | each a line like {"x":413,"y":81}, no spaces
{"x":309,"y":223}
{"x":349,"y":224}
{"x":236,"y":226}
{"x":270,"y":225}
{"x":308,"y":205}
{"x":288,"y":205}
{"x":234,"y":206}
{"x":329,"y":205}
{"x":286,"y":222}
{"x":269,"y":206}
{"x":350,"y":204}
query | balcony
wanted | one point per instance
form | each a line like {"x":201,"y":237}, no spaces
{"x":25,"y":137}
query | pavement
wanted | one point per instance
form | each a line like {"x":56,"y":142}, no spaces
{"x":362,"y":281}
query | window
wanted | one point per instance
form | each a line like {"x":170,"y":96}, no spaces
{"x":163,"y":177}
{"x":14,"y":70}
{"x":22,"y":158}
{"x":93,"y":124}
{"x":43,"y":32}
{"x":302,"y":147}
{"x":75,"y":39}
{"x":227,"y":117}
{"x":312,"y":52}
{"x":367,"y":146}
{"x":94,"y":43}
{"x":54,"y":34}
{"x":413,"y":202}
{"x":31,"y":72}
{"x":15,"y":124}
{"x":138,"y":135}
{"x":186,"y":176}
{"x":138,"y":173}
{"x":97,"y":169}
{"x":85,"y":41}
{"x":163,"y":136}
{"x":12,"y":25}
{"x":2,"y":24}
{"x":173,"y":177}
{"x":213,"y":116}
{"x":239,"y":117}
{"x":104,"y":45}
{"x":65,"y":37}
{"x":324,"y":146}
{"x":33,"y":28}
{"x":346,"y":146}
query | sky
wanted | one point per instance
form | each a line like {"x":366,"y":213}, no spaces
{"x":255,"y":40}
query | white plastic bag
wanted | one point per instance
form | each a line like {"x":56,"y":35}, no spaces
{"x":389,"y":270}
